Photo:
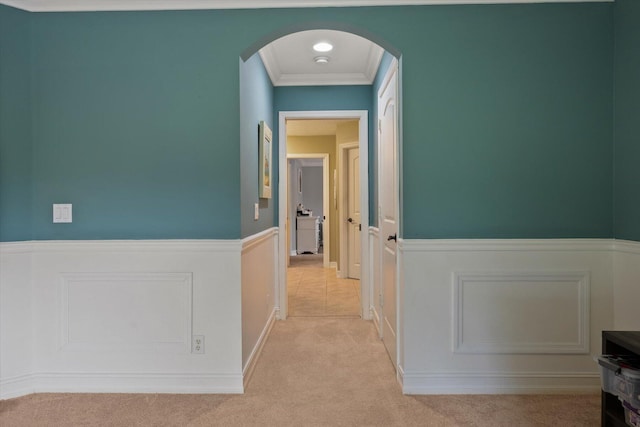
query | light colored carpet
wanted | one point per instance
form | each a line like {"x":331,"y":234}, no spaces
{"x":316,"y":291}
{"x":312,"y":372}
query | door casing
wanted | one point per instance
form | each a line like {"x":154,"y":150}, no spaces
{"x":363,"y":134}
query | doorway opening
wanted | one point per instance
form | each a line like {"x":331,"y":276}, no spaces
{"x":319,"y":281}
{"x":308,"y":210}
{"x":334,"y":232}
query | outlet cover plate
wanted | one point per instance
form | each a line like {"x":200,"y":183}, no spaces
{"x":197,"y":344}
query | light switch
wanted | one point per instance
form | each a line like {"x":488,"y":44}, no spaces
{"x":63,"y":213}
{"x":256,"y":212}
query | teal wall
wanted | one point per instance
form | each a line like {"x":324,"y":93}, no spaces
{"x":256,"y":104}
{"x":627,"y":120}
{"x":508,"y":122}
{"x":134,"y":118}
{"x":135,"y":122}
{"x":318,"y":98}
{"x":15,"y":127}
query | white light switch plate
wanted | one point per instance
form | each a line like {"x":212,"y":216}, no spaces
{"x":63,"y":212}
{"x":256,"y":212}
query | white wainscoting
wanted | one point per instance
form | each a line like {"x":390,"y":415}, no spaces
{"x":626,"y":294}
{"x":259,"y":287}
{"x":118,"y":316}
{"x":504,"y":316}
{"x":16,"y":320}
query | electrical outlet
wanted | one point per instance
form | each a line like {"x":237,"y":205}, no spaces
{"x":197,"y":344}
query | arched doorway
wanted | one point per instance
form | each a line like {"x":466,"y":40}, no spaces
{"x":371,"y":242}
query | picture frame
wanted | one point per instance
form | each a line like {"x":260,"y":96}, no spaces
{"x":265,"y":156}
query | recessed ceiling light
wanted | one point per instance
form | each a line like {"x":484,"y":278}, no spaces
{"x":323,"y":47}
{"x":321,"y":59}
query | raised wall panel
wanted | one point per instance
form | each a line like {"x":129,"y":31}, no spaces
{"x":126,"y":311}
{"x":521,"y":313}
{"x":504,"y":316}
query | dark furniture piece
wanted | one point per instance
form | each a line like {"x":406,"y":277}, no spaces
{"x":619,"y":343}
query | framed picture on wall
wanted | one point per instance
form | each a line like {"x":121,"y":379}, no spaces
{"x":264,"y":160}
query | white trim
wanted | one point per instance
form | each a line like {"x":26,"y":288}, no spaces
{"x":499,"y":382}
{"x":120,"y":382}
{"x":400,"y":377}
{"x":627,"y":246}
{"x":310,"y":79}
{"x":362,"y":117}
{"x":119,"y":246}
{"x":375,"y":276}
{"x":114,"y":5}
{"x":580,"y":344}
{"x":249,"y":368}
{"x":20,"y":385}
{"x":511,"y":245}
{"x":126,"y":382}
{"x":256,"y":239}
{"x":7,"y":248}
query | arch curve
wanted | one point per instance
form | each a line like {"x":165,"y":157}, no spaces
{"x":307,"y":26}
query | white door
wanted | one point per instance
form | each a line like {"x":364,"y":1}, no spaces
{"x":353,"y":212}
{"x":388,"y":209}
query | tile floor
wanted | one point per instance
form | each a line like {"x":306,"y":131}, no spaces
{"x":315,"y":291}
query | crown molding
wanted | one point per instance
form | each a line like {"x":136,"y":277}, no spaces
{"x":131,"y":5}
{"x":336,"y":79}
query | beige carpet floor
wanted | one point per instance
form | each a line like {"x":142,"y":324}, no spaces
{"x":312,"y":372}
{"x":316,"y":291}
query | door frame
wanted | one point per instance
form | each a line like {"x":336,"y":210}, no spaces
{"x":325,"y":198}
{"x":363,"y":135}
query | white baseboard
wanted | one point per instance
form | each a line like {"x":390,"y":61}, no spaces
{"x":116,"y":382}
{"x":376,"y":320}
{"x":247,"y":372}
{"x":333,"y":265}
{"x":17,"y":386}
{"x":499,"y":383}
{"x":82,"y":382}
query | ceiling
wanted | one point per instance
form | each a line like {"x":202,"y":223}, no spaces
{"x":98,"y":5}
{"x":289,"y":60}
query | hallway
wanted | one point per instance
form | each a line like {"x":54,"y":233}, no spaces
{"x":314,"y":291}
